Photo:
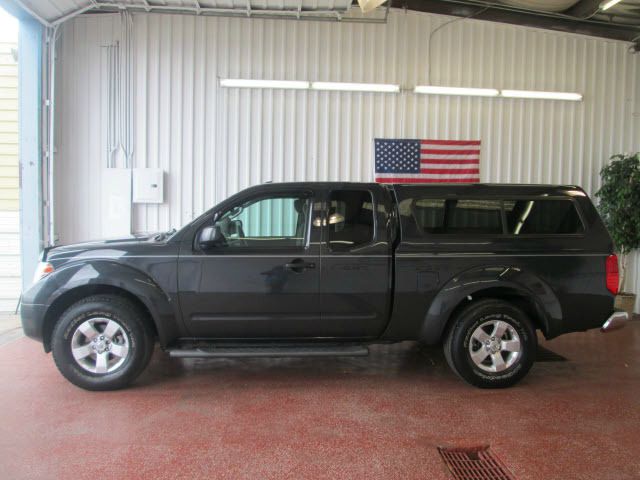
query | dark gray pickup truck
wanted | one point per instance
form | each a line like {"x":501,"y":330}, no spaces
{"x":312,"y":269}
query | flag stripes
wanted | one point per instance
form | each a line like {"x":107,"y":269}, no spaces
{"x":421,"y":180}
{"x":437,"y":151}
{"x":450,"y":170}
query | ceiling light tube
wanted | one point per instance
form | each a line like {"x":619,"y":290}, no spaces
{"x":356,"y":87}
{"x":609,"y":4}
{"x":473,"y":92}
{"x":576,"y":97}
{"x":248,"y":83}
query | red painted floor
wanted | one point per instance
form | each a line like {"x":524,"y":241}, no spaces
{"x":375,"y":417}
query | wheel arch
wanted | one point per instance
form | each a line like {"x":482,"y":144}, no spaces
{"x":71,"y":296}
{"x":525,"y":303}
{"x":74,"y":282}
{"x":529,"y":293}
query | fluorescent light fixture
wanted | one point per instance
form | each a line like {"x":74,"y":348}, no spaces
{"x":609,"y":4}
{"x":576,"y":97}
{"x":474,"y":92}
{"x":356,"y":87}
{"x":248,"y":83}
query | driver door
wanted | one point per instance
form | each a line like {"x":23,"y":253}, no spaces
{"x":261,"y":280}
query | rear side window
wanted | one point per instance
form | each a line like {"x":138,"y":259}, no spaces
{"x":451,"y":216}
{"x":473,"y":216}
{"x":433,"y":216}
{"x":542,"y":217}
{"x":351,"y":219}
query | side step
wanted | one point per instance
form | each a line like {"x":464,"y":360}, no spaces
{"x":270,"y":351}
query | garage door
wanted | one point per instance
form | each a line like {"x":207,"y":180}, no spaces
{"x":9,"y":182}
{"x":9,"y":261}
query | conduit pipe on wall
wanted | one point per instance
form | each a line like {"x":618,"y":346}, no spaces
{"x":52,"y":36}
{"x":120,"y":135}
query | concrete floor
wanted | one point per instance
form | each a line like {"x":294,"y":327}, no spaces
{"x":10,"y":327}
{"x":380,"y":416}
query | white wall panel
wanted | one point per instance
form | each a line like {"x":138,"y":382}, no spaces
{"x":81,"y":126}
{"x":213,"y":142}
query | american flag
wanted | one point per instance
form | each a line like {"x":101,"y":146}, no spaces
{"x":427,"y":161}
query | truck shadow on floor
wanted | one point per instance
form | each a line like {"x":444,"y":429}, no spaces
{"x":402,"y":360}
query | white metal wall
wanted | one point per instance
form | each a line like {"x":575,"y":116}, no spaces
{"x":213,"y":142}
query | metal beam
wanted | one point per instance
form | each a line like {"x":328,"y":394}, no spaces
{"x":584,"y":9}
{"x":75,"y":13}
{"x":517,"y":16}
{"x":227,"y":12}
{"x":199,"y":9}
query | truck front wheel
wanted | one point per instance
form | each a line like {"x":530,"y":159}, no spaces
{"x":102,"y":342}
{"x":491,"y":344}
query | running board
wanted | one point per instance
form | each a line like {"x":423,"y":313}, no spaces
{"x":272,"y":351}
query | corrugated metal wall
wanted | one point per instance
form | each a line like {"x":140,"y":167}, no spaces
{"x":213,"y":142}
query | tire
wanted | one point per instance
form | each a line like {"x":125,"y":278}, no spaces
{"x":478,"y":362}
{"x":102,"y":342}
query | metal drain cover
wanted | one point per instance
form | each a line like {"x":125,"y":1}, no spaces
{"x":474,"y":463}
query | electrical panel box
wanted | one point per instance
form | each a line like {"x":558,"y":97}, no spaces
{"x":148,"y":185}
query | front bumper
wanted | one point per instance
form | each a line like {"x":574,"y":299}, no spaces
{"x":32,"y":316}
{"x":616,"y":321}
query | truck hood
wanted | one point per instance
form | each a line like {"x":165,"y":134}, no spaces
{"x":109,"y":247}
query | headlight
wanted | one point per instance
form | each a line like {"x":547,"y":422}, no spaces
{"x":42,"y":270}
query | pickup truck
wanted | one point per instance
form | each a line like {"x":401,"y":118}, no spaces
{"x":313,"y":269}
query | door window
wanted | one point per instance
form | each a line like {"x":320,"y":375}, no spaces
{"x":350,"y":220}
{"x":273,"y":222}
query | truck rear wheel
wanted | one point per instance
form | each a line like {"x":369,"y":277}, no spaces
{"x":491,"y":344}
{"x":102,"y":343}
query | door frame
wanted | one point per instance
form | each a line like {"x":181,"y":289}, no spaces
{"x":189,"y":250}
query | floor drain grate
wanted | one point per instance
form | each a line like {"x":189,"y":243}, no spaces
{"x":474,"y":463}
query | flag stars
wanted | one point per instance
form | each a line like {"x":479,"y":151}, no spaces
{"x":397,"y":156}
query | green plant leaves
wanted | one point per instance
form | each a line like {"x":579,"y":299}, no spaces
{"x":620,"y":200}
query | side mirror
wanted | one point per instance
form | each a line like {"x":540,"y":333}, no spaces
{"x":210,"y":237}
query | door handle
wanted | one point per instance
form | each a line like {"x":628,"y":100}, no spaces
{"x":298,"y":265}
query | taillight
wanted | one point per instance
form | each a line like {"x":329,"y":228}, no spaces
{"x":613,"y":277}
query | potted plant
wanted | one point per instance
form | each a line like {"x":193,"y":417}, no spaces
{"x":620,"y":208}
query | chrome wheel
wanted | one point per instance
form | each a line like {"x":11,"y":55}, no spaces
{"x":100,"y":345}
{"x":495,"y":346}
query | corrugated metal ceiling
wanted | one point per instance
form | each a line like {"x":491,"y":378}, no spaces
{"x":54,"y":10}
{"x":51,"y":10}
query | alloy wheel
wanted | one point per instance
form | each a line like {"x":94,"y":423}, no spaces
{"x":100,"y":345}
{"x":495,"y":346}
